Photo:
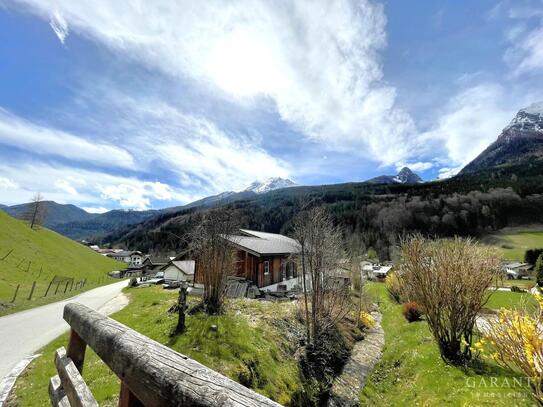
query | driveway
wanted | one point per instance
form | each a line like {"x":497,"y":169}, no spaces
{"x":27,"y":331}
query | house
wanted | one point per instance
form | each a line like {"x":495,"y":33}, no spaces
{"x":263,"y":258}
{"x":179,"y":270}
{"x":132,"y":258}
{"x":151,"y":265}
{"x":516,"y":270}
{"x":375,"y":271}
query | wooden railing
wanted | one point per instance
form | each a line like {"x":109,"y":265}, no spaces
{"x":151,"y":374}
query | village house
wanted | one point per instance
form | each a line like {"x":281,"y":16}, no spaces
{"x":265,"y":259}
{"x":179,"y":270}
{"x":132,"y":258}
{"x":152,"y":265}
{"x":516,"y":270}
{"x":374,"y":271}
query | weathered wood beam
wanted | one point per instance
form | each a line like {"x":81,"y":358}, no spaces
{"x":76,"y":350}
{"x":154,"y":373}
{"x":56,"y":393}
{"x":74,"y":386}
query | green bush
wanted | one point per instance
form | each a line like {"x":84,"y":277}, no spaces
{"x":516,"y":289}
{"x":538,"y":270}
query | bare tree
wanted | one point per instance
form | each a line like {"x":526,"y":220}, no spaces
{"x":450,"y":280}
{"x":35,"y":214}
{"x":326,"y":299}
{"x":214,"y":255}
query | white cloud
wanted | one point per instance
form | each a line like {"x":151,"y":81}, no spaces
{"x":6,"y":183}
{"x":59,"y":26}
{"x":318,"y":61}
{"x":23,"y":134}
{"x":447,"y":172}
{"x":204,"y":157}
{"x":525,"y":54}
{"x":136,"y":195}
{"x":64,"y":185}
{"x":93,"y":209}
{"x":415,"y":166}
{"x":470,"y":121}
{"x":94,"y":188}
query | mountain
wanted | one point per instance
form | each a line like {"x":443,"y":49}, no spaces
{"x":3,"y":206}
{"x":55,"y":213}
{"x":405,"y":176}
{"x":39,"y":255}
{"x":270,"y":184}
{"x":103,"y":223}
{"x":520,"y":143}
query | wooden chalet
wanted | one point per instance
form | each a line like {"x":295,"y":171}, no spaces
{"x":263,"y":258}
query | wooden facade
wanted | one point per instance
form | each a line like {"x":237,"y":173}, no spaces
{"x":261,"y":270}
{"x":264,"y":270}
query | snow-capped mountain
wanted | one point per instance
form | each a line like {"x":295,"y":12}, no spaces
{"x":405,"y":176}
{"x":520,"y":142}
{"x":269,"y":185}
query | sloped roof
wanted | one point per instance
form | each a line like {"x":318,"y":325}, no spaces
{"x":158,"y":260}
{"x":124,"y":253}
{"x":186,"y":266}
{"x":262,"y":243}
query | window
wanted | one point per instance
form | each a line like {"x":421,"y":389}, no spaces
{"x":266,"y":267}
{"x":283,"y":270}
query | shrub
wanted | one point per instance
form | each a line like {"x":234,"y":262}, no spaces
{"x":449,"y":279}
{"x":133,"y":282}
{"x":412,"y":312}
{"x":515,"y":340}
{"x":538,"y":270}
{"x":516,"y":289}
{"x":393,"y":286}
{"x":531,"y":255}
{"x":366,"y":320}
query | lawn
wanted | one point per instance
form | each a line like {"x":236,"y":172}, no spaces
{"x":513,"y":243}
{"x":412,"y":373}
{"x":250,"y":346}
{"x":28,"y":256}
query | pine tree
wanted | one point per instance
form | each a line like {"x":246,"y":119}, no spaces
{"x":538,"y":270}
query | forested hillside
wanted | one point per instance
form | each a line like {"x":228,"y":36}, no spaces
{"x":375,"y":215}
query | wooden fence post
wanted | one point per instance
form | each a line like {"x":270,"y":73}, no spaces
{"x":72,"y":284}
{"x":67,"y":284}
{"x":6,"y":256}
{"x":41,"y":269}
{"x":15,"y":295}
{"x":127,"y":398}
{"x":49,"y":286}
{"x":76,"y":350}
{"x":28,"y":268}
{"x":31,"y":291}
{"x":56,"y":289}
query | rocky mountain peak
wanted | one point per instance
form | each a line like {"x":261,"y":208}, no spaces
{"x":260,"y":187}
{"x":519,"y":143}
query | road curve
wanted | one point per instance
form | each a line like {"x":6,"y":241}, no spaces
{"x":27,"y":331}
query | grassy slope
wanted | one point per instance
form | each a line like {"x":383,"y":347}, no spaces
{"x":513,"y":243}
{"x":412,"y":372}
{"x":49,"y":252}
{"x":247,"y":336}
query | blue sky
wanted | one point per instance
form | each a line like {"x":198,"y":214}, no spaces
{"x":152,"y":104}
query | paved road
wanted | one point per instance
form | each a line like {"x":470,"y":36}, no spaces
{"x":23,"y":333}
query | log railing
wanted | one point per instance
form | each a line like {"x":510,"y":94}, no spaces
{"x":151,"y":374}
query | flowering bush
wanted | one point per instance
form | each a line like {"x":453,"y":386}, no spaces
{"x":393,"y":286}
{"x":412,"y":311}
{"x":366,"y":320}
{"x":515,"y":339}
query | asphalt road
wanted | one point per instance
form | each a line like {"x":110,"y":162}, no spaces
{"x":23,"y":333}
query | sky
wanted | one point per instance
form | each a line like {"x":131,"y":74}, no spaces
{"x":147,"y":104}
